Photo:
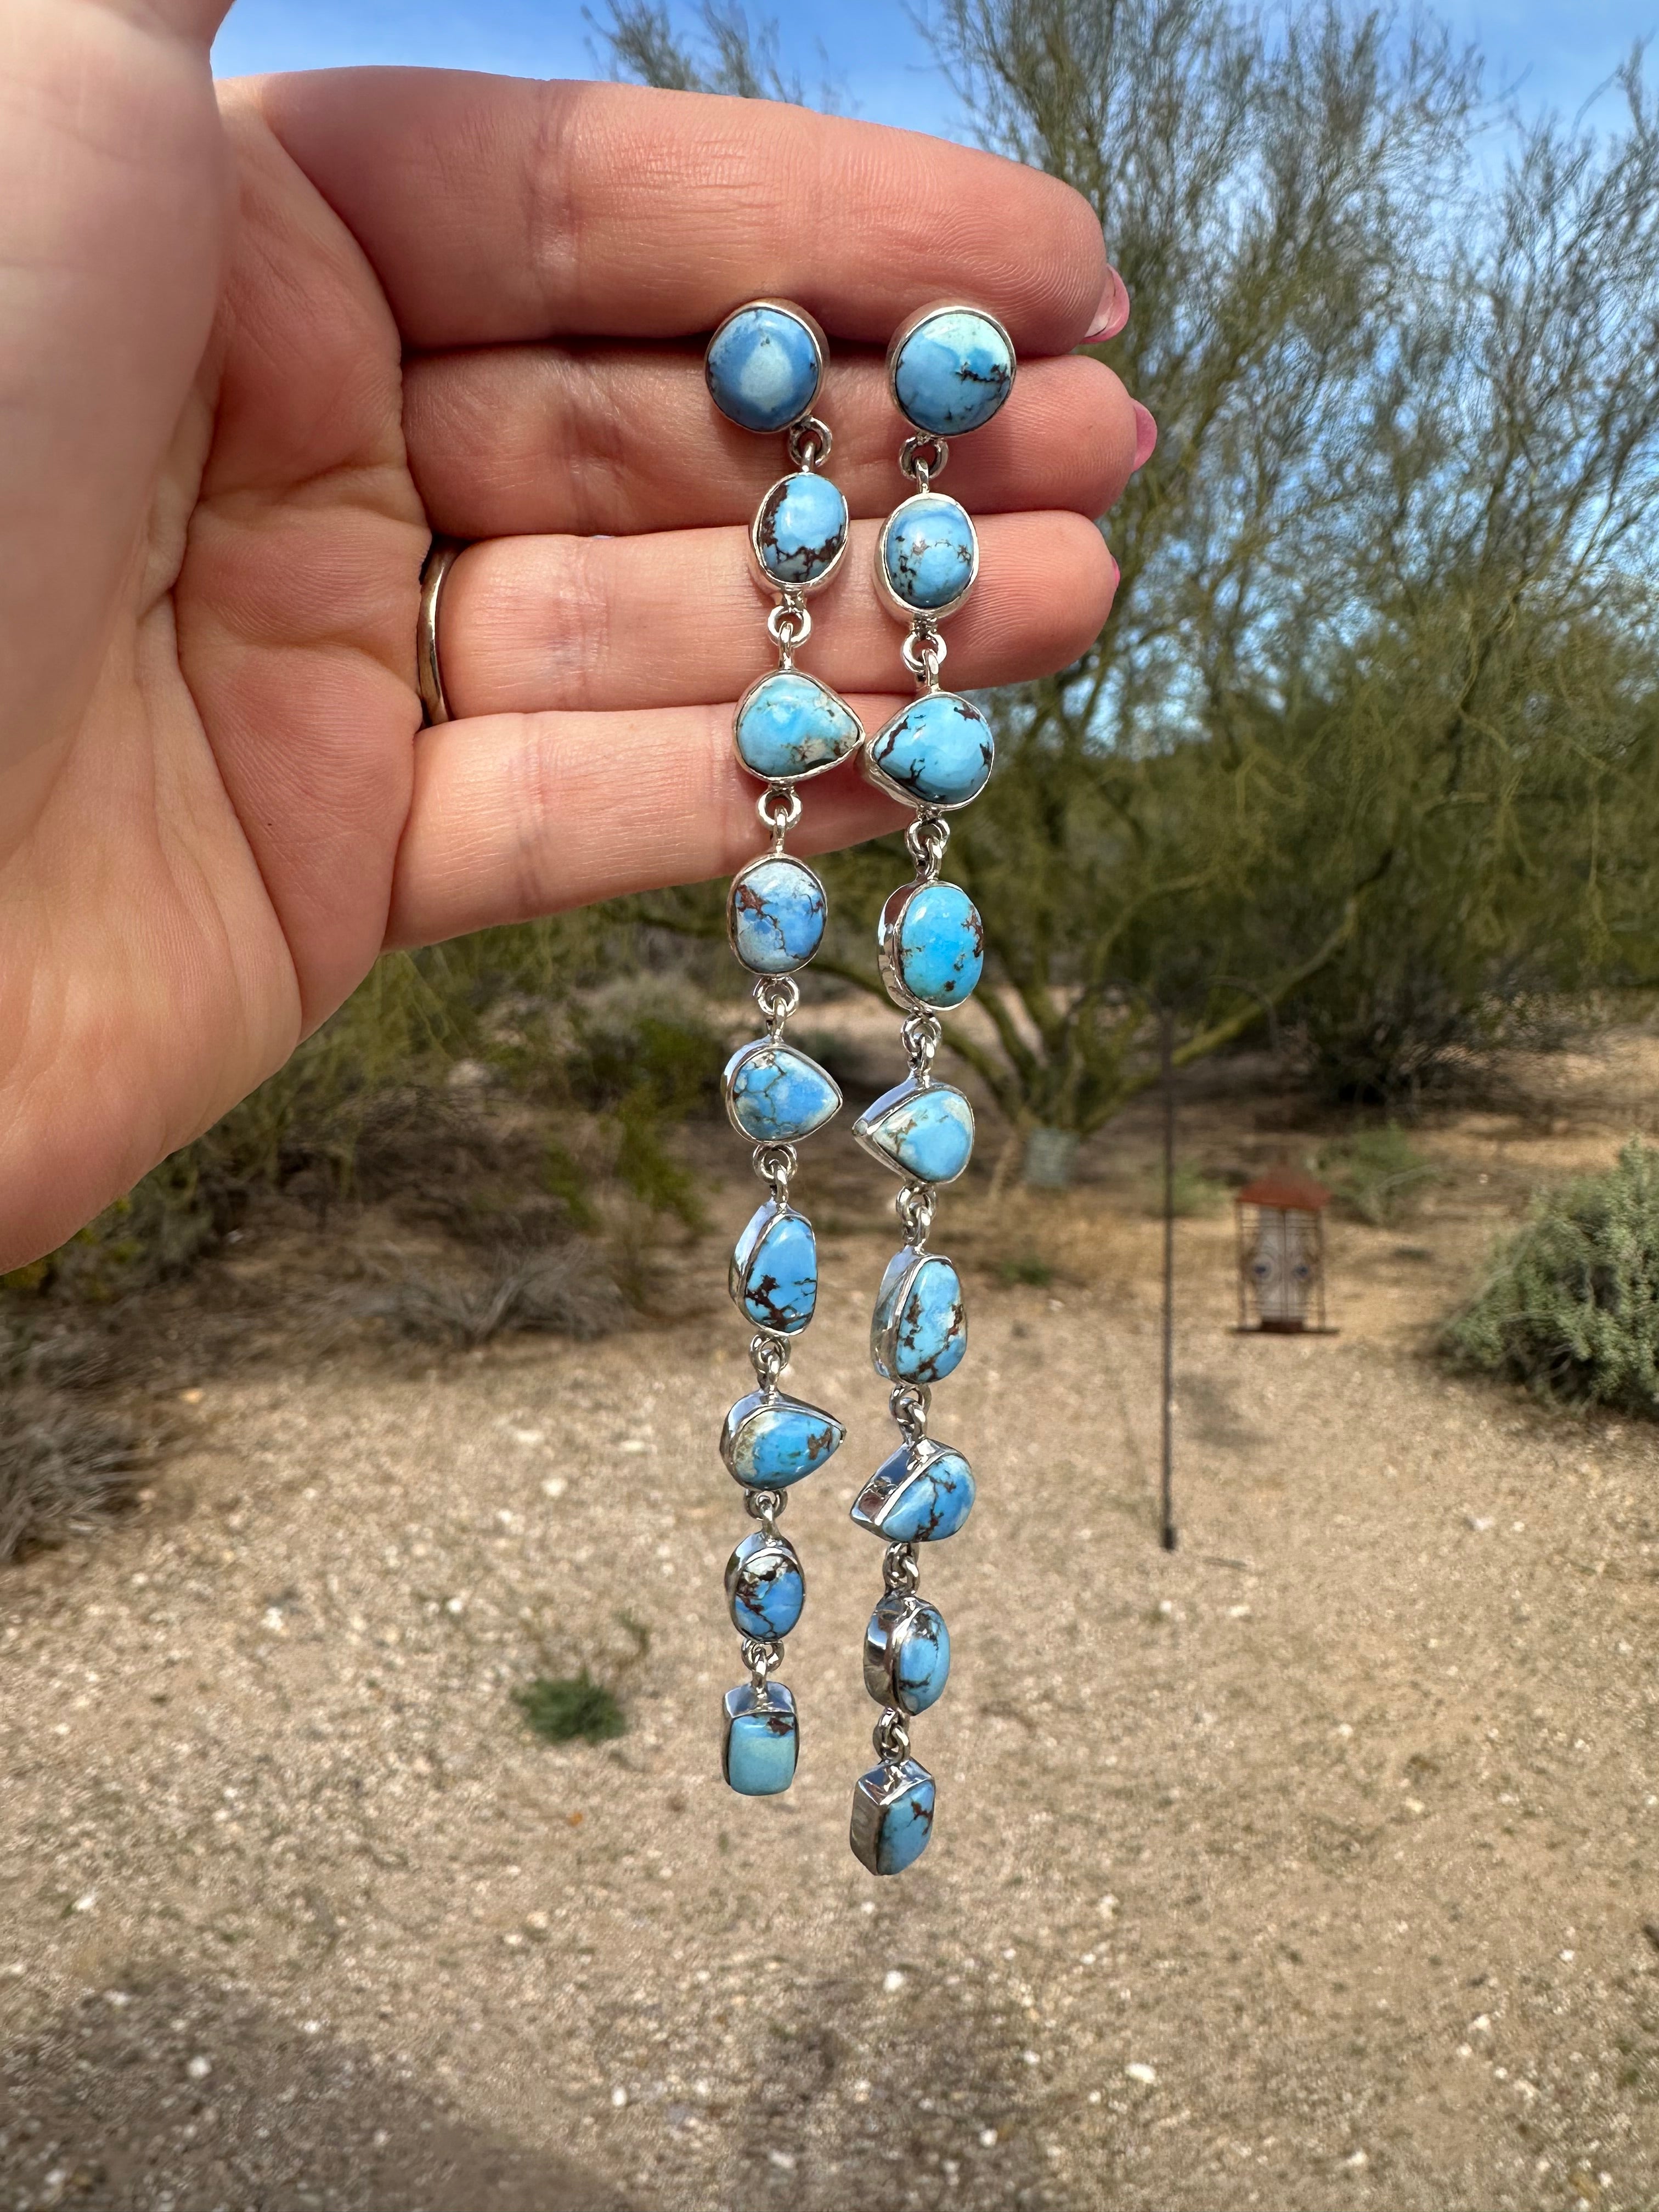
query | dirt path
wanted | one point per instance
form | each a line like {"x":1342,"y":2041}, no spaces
{"x":1308,"y":1866}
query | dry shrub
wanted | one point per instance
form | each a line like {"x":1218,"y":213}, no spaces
{"x":64,"y":1467}
{"x":564,"y":1291}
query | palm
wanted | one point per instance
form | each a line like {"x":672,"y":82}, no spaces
{"x":280,"y":367}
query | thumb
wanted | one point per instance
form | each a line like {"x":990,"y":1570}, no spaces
{"x":114,"y":207}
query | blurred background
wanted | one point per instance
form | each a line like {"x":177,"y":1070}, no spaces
{"x":363,"y":1624}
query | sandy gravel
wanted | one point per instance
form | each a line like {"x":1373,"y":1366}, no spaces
{"x":1308,"y":1866}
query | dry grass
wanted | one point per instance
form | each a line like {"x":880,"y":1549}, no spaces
{"x":64,"y":1466}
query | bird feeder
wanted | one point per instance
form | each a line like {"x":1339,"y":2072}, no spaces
{"x":1281,"y":1253}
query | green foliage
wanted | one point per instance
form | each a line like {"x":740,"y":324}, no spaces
{"x":571,"y":1707}
{"x":1026,"y":1268}
{"x":1372,"y":737}
{"x":1570,"y":1307}
{"x":1194,"y":1194}
{"x":1377,"y":1172}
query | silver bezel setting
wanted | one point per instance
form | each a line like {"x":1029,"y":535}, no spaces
{"x":890,"y":1627}
{"x":775,"y":586}
{"x":737,"y":1267}
{"x":744,"y":1057}
{"x":873,"y":773}
{"x":875,"y":1502}
{"x":814,"y":330}
{"x":874,"y":1794}
{"x":763,"y":861}
{"x":884,"y":1342}
{"x":739,"y":1417}
{"x":740,"y":1704}
{"x":900,"y":607}
{"x":857,"y":745}
{"x":908,"y":330}
{"x":762,"y":1545}
{"x":889,"y":1103}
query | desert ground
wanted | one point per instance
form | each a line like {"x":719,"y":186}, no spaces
{"x":1314,"y":1864}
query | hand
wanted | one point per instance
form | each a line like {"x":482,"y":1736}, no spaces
{"x":255,"y":349}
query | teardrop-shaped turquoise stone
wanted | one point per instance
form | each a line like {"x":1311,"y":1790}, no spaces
{"x":775,"y":1095}
{"x":917,"y":1496}
{"x":768,"y":1443}
{"x":921,"y":1130}
{"x":790,"y":725}
{"x":775,"y":1270}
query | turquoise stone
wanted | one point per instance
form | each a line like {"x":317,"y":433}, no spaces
{"x":800,"y":532}
{"x":763,"y":369}
{"x":789,"y":725}
{"x":926,"y":1131}
{"x":938,"y":752}
{"x":762,"y":1740}
{"x":952,"y":372}
{"x":775,"y":1270}
{"x":892,"y":1816}
{"x":920,"y":1494}
{"x":932,"y":943}
{"x":765,"y":1587}
{"x":918,"y":1332}
{"x":776,"y":912}
{"x":775,"y":1095}
{"x":927,"y":553}
{"x":769,"y":1442}
{"x":922,"y":1663}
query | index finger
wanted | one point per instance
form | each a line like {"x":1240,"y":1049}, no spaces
{"x":497,"y":209}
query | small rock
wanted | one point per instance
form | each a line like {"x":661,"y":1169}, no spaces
{"x":893,"y":1981}
{"x":1139,"y":2070}
{"x":199,"y":2067}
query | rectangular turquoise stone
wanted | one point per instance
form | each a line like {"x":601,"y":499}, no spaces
{"x":762,"y":1740}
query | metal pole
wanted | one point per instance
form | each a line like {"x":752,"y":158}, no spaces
{"x":1166,"y":1064}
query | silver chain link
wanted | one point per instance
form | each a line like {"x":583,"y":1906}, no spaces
{"x":922,"y":1035}
{"x":777,"y":997}
{"x":810,"y":443}
{"x":769,"y":1355}
{"x":925,"y":841}
{"x":908,"y":1404}
{"x":901,"y":1570}
{"x":774,"y":1165}
{"x":890,"y":1737}
{"x":915,"y":1205}
{"x":923,"y":653}
{"x":922,"y":458}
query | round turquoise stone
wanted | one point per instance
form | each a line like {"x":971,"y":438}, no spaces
{"x":763,"y":369}
{"x":777,"y":912}
{"x":952,"y":372}
{"x":927,"y":553}
{"x":921,"y":1662}
{"x":765,"y":1587}
{"x":938,"y":752}
{"x":800,"y":532}
{"x":938,"y":950}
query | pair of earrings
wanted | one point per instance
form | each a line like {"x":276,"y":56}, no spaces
{"x":950,"y":369}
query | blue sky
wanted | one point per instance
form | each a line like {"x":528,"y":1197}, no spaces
{"x":1559,"y":50}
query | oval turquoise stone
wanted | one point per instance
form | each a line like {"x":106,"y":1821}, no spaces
{"x":801,"y":529}
{"x":770,"y":1443}
{"x":765,"y":1587}
{"x":953,"y":371}
{"x":938,"y":949}
{"x":775,"y":1270}
{"x":791,"y":724}
{"x":922,"y":1661}
{"x":777,"y":911}
{"x":928,"y":551}
{"x":763,"y":369}
{"x":938,"y":752}
{"x":775,"y":1095}
{"x":925,"y":1130}
{"x":919,"y":1333}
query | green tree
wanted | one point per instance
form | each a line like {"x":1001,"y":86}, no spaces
{"x":1370,"y":734}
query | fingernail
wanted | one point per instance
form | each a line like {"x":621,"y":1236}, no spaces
{"x":1117,"y":573}
{"x":1112,"y":313}
{"x":1146,"y":434}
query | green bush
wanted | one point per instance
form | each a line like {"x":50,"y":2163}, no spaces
{"x":1377,"y":1173}
{"x":1571,"y":1305}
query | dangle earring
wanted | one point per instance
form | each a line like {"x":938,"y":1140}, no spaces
{"x":950,"y":368}
{"x":763,"y":368}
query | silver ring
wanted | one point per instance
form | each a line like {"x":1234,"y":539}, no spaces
{"x":428,"y":676}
